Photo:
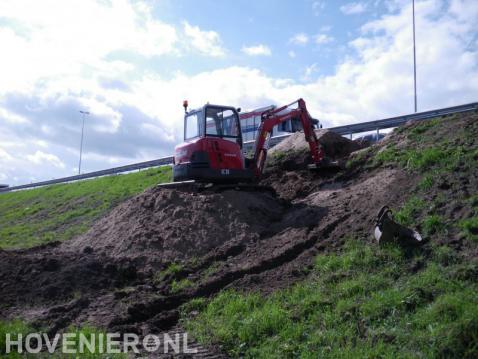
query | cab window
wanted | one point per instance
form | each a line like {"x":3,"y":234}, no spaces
{"x":191,"y":126}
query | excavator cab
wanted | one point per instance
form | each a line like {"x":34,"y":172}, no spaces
{"x":212,"y":147}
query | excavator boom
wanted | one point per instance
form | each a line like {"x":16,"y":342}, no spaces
{"x":277,"y":116}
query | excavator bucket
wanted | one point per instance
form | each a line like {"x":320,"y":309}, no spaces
{"x":388,"y":230}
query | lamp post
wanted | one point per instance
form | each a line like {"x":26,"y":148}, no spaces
{"x":84,"y":113}
{"x":414,"y":57}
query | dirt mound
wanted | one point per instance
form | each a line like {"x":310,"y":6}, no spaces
{"x":166,"y":225}
{"x":335,"y":145}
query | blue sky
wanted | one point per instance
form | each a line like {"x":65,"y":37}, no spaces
{"x":132,"y":62}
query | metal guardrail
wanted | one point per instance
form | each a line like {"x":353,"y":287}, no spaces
{"x":111,"y":171}
{"x":342,"y":130}
{"x":400,"y":120}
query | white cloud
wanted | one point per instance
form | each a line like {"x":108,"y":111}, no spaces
{"x":321,"y":39}
{"x":53,"y":38}
{"x":206,"y":42}
{"x":309,"y":71}
{"x":354,"y":8}
{"x":257,"y":50}
{"x":11,"y":117}
{"x":299,"y":39}
{"x":40,"y":158}
{"x":291,"y":54}
{"x":317,"y":7}
{"x":4,"y":155}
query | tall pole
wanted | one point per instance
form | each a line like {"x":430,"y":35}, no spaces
{"x":84,"y":113}
{"x":414,"y":57}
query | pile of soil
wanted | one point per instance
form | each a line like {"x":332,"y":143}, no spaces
{"x":165,"y":225}
{"x":335,"y":145}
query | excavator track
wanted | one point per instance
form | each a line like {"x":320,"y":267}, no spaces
{"x":193,"y":186}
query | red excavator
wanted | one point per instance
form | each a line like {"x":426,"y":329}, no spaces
{"x":212,"y":148}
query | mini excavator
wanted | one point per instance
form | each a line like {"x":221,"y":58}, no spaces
{"x":212,"y":148}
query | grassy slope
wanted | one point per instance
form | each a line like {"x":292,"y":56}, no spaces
{"x":59,"y":212}
{"x":369,"y":301}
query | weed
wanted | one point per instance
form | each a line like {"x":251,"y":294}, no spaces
{"x":172,"y":270}
{"x":445,"y":255}
{"x":177,"y":286}
{"x":415,"y":133}
{"x":409,"y":211}
{"x":425,"y":158}
{"x":426,"y":182}
{"x":473,"y":201}
{"x":433,"y":224}
{"x":388,"y":155}
{"x":211,"y":270}
{"x":358,"y":158}
{"x":470,"y":228}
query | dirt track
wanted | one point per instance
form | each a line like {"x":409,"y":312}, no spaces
{"x":109,"y":278}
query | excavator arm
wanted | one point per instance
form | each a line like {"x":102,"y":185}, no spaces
{"x":277,"y":116}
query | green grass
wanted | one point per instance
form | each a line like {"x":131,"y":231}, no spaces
{"x":171,"y":270}
{"x":59,"y":212}
{"x":470,"y":228}
{"x":358,"y":158}
{"x":426,"y":182}
{"x":409,"y":212}
{"x":417,"y":133}
{"x":433,"y":224}
{"x":364,"y":302}
{"x":179,"y":285}
{"x":421,"y":159}
{"x":13,"y":328}
{"x":426,"y":151}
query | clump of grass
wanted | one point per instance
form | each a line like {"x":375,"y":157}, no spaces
{"x":410,"y":210}
{"x":416,"y":133}
{"x":210,"y":270}
{"x":433,"y":224}
{"x":172,"y":270}
{"x":470,"y":228}
{"x":428,"y":157}
{"x":358,"y":158}
{"x":445,"y":255}
{"x":387,"y":155}
{"x":426,"y":182}
{"x":177,"y":286}
{"x":424,"y":159}
{"x":473,"y":201}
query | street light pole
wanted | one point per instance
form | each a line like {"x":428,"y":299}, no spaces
{"x":84,"y":113}
{"x":414,"y":57}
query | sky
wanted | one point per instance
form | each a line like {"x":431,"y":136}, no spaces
{"x":131,"y":63}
